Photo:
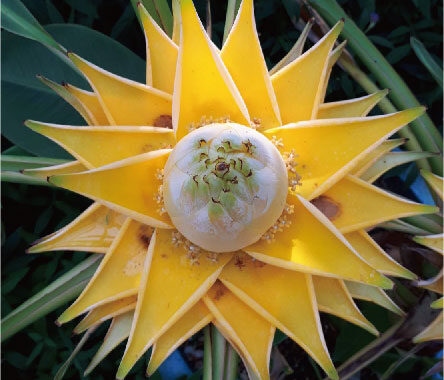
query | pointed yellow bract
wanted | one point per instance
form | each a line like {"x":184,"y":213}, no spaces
{"x":298,"y":86}
{"x":333,"y":297}
{"x":118,"y":331}
{"x":134,"y":194}
{"x":250,"y":334}
{"x":92,"y":231}
{"x":124,"y":102}
{"x":171,"y":284}
{"x":287,"y":301}
{"x":307,"y":246}
{"x":328,"y":149}
{"x":373,"y":294}
{"x":435,"y":242}
{"x":204,"y":89}
{"x":438,"y":304}
{"x":71,"y":99}
{"x":333,"y":57}
{"x":436,"y":182}
{"x":161,"y":54}
{"x":190,"y":323}
{"x":106,"y":311}
{"x":389,"y":161}
{"x":358,"y":107}
{"x":433,"y":332}
{"x":119,"y":273}
{"x":370,"y":251}
{"x":98,"y":146}
{"x":68,"y":168}
{"x":362,"y":205}
{"x":371,"y":157}
{"x":435,"y":284}
{"x":242,"y":55}
{"x":91,"y":102}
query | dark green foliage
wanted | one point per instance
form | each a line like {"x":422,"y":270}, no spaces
{"x":31,"y":212}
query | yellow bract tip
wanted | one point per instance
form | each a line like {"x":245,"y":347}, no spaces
{"x":56,"y":180}
{"x":34,"y":125}
{"x":438,"y":304}
{"x":333,"y":374}
{"x":385,"y":283}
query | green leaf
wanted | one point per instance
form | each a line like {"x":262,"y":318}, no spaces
{"x":63,"y":290}
{"x":17,"y":163}
{"x":159,"y":10}
{"x":16,"y":177}
{"x":232,"y":8}
{"x":398,"y":53}
{"x":28,"y":98}
{"x":125,"y":19}
{"x":53,"y":13}
{"x":13,"y":279}
{"x":62,"y":370}
{"x":427,"y":60}
{"x":17,"y":19}
{"x":389,"y":161}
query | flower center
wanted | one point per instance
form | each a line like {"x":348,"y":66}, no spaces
{"x":224,"y":186}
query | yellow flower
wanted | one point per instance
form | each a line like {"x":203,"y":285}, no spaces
{"x":224,"y":194}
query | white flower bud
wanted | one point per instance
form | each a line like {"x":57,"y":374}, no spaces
{"x":224,"y":186}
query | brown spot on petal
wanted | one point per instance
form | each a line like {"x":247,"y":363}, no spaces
{"x":219,"y":294}
{"x":145,"y":233}
{"x":330,"y":208}
{"x":164,"y":121}
{"x":239,"y":262}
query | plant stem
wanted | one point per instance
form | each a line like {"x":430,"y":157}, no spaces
{"x":207,"y":360}
{"x":231,"y":363}
{"x":423,"y":128}
{"x":218,"y":350}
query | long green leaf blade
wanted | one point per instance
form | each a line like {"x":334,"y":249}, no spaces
{"x":17,"y":163}
{"x":427,"y":60}
{"x":63,"y":290}
{"x":17,"y":19}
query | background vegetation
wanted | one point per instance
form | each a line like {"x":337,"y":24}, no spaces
{"x":30,"y":212}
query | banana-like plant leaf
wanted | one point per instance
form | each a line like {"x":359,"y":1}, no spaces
{"x":17,"y":163}
{"x":16,"y":177}
{"x":62,"y":290}
{"x":18,"y":20}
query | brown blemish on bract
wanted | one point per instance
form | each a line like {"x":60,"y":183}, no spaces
{"x":145,"y":233}
{"x":239,"y":262}
{"x":330,"y":208}
{"x":164,"y":121}
{"x":219,"y":294}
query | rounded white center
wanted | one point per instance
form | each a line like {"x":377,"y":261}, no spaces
{"x":224,"y":186}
